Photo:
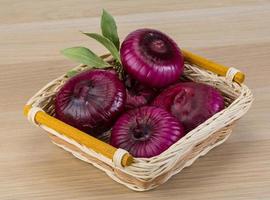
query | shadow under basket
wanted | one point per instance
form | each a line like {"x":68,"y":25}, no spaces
{"x":142,"y":174}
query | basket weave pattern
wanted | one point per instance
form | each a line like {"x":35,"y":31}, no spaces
{"x":148,"y":173}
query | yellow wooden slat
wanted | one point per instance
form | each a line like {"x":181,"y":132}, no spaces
{"x":79,"y":136}
{"x":211,"y":66}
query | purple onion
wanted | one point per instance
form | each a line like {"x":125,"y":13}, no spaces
{"x":191,"y":103}
{"x":91,"y":101}
{"x":146,"y":131}
{"x":137,"y":94}
{"x":152,"y":58}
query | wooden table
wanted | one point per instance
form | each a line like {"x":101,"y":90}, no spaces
{"x":234,"y":32}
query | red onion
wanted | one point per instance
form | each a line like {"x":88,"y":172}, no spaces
{"x":91,"y":101}
{"x":151,"y":57}
{"x":146,"y":131}
{"x":137,"y":94}
{"x":192,"y":103}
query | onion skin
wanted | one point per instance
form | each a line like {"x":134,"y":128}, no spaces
{"x":91,"y":101}
{"x":191,"y":103}
{"x":137,"y":94}
{"x":152,"y":58}
{"x":146,"y":131}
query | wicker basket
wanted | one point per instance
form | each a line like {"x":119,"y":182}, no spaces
{"x":142,"y":174}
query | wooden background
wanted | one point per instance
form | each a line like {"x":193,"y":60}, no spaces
{"x":233,"y":32}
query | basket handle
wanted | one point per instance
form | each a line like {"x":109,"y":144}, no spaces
{"x":118,"y":156}
{"x":229,"y":72}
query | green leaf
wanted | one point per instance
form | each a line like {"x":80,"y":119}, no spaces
{"x":85,"y":56}
{"x":106,"y":43}
{"x":71,"y":73}
{"x":109,"y":28}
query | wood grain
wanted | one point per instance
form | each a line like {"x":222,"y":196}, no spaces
{"x":234,"y":33}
